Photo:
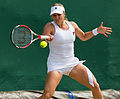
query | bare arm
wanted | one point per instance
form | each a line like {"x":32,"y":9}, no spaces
{"x":87,"y":35}
{"x":80,"y":34}
{"x":49,"y":30}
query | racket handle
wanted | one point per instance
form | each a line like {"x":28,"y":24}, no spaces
{"x":44,"y":37}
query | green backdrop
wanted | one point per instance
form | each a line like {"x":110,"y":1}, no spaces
{"x":25,"y":69}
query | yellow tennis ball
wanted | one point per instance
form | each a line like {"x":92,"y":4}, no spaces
{"x":43,"y":44}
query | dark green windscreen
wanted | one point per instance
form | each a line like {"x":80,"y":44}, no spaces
{"x":25,"y":69}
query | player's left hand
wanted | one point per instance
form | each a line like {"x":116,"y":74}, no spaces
{"x":104,"y":30}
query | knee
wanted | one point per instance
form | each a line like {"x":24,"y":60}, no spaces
{"x":96,"y":87}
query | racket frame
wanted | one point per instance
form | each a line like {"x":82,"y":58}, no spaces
{"x":32,"y":33}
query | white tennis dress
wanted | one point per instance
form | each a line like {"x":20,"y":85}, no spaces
{"x":61,"y":57}
{"x":61,"y":53}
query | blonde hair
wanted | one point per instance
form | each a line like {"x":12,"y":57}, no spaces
{"x":59,"y":4}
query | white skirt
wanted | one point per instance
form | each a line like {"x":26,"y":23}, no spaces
{"x":53,"y":63}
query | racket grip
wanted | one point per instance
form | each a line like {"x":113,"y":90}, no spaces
{"x":44,"y":37}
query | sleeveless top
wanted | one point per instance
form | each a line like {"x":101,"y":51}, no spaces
{"x":61,"y":48}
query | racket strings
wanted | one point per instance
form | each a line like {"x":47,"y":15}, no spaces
{"x":22,"y":39}
{"x":21,"y":36}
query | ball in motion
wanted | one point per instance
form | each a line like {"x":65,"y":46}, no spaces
{"x":43,"y":44}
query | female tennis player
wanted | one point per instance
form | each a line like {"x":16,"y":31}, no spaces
{"x":61,"y":60}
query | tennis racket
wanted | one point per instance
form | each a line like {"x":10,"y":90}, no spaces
{"x":22,"y":36}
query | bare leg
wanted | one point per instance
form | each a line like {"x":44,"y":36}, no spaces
{"x":79,"y":73}
{"x":53,"y":79}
